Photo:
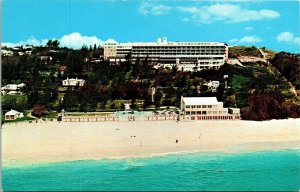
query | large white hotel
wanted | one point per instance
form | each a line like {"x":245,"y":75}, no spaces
{"x":207,"y":108}
{"x":188,"y":56}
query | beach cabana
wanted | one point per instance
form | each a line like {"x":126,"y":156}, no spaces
{"x":13,"y":115}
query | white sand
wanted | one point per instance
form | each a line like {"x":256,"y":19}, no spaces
{"x":53,"y":141}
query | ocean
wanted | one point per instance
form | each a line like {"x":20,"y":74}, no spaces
{"x":268,"y":170}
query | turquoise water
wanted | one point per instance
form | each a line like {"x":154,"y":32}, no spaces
{"x":277,"y":170}
{"x":136,"y":113}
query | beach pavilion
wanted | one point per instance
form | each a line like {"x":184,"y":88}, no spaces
{"x":13,"y":115}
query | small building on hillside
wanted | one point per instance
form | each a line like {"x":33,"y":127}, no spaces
{"x":7,"y":53}
{"x":12,"y":89}
{"x":213,"y":86}
{"x":13,"y":115}
{"x":28,"y":52}
{"x":73,"y":82}
{"x":127,"y":106}
{"x":207,"y":108}
{"x":46,"y":58}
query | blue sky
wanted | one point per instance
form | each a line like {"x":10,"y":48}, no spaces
{"x":273,"y":24}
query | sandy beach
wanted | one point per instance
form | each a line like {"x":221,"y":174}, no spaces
{"x":54,"y":141}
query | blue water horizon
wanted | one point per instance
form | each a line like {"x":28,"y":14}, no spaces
{"x":252,"y":171}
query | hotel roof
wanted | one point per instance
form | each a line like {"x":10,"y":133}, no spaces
{"x":172,"y":44}
{"x":200,"y":100}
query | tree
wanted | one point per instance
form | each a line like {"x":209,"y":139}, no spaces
{"x":39,"y":110}
{"x":49,"y":43}
{"x":53,"y":43}
{"x":288,"y":65}
{"x":75,"y":63}
{"x":87,"y":107}
{"x":133,"y":104}
{"x":294,"y":111}
{"x":16,"y":102}
{"x":174,"y":70}
{"x":148,"y":101}
{"x":70,"y":101}
{"x":113,"y":106}
{"x":128,"y":58}
{"x":136,"y":69}
{"x":84,"y":51}
{"x":264,"y":107}
{"x":158,"y":98}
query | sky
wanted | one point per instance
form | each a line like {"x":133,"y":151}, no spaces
{"x":263,"y":23}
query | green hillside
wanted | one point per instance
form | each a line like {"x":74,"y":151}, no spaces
{"x":237,"y":51}
{"x":263,"y":90}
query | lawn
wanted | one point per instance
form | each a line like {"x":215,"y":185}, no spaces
{"x":51,"y":114}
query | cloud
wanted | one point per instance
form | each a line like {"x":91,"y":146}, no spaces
{"x":73,"y":40}
{"x":186,"y":19}
{"x":249,"y":28}
{"x":30,"y":41}
{"x":191,"y":10}
{"x":246,"y":40}
{"x":233,"y":40}
{"x":146,"y":8}
{"x":288,"y":37}
{"x":76,"y":40}
{"x":226,"y":13}
{"x":250,"y":39}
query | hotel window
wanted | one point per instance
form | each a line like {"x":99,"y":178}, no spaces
{"x":209,"y":112}
{"x":187,"y":113}
{"x":220,"y":112}
{"x":193,"y":106}
{"x":193,"y":112}
{"x":215,"y":112}
{"x":203,"y":112}
{"x":198,"y":112}
{"x":209,"y":106}
{"x":188,"y":106}
{"x":203,"y":106}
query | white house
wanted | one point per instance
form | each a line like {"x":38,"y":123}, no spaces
{"x":12,"y":89}
{"x":46,"y":58}
{"x":207,"y":108}
{"x":28,"y":47}
{"x":21,"y":85}
{"x":28,"y":52}
{"x":213,"y":86}
{"x":73,"y":82}
{"x":13,"y":115}
{"x":127,"y":106}
{"x":7,"y":53}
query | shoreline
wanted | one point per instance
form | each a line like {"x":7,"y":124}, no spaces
{"x":29,"y":143}
{"x":291,"y":147}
